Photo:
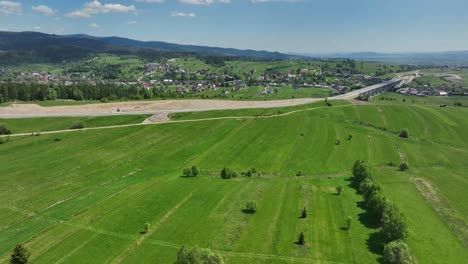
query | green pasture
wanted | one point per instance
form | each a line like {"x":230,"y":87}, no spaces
{"x":26,"y":125}
{"x":86,"y":198}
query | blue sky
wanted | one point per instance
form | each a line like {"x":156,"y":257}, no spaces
{"x":307,"y":26}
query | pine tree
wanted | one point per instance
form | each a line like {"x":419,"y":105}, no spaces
{"x":20,"y":255}
{"x":301,"y":239}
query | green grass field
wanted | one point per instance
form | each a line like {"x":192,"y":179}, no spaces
{"x":26,"y":125}
{"x":86,"y":198}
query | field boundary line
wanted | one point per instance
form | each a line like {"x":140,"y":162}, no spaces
{"x":169,"y":244}
{"x":136,"y":243}
{"x":173,"y":122}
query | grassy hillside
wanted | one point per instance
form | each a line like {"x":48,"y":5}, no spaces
{"x":87,"y":197}
{"x":26,"y":125}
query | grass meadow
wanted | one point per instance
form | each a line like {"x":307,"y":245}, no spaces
{"x":85,"y":199}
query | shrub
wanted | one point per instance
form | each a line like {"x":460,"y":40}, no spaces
{"x":404,"y":166}
{"x":227,"y":173}
{"x":301,"y":239}
{"x":339,"y":188}
{"x":146,"y":228}
{"x":337,"y":142}
{"x":350,"y":137}
{"x":348,"y":222}
{"x":299,"y":173}
{"x":198,"y":256}
{"x":20,"y":255}
{"x":250,"y":207}
{"x":187,"y":172}
{"x":77,"y":125}
{"x":57,"y":139}
{"x":4,"y":130}
{"x":397,"y":252}
{"x":304,"y":213}
{"x":404,"y":134}
{"x":195,"y":170}
{"x":250,"y":172}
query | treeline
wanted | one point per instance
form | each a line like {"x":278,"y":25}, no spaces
{"x":104,"y":92}
{"x":393,"y":229}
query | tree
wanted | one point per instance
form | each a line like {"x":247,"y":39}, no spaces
{"x":195,"y":170}
{"x":348,"y":222}
{"x":198,"y":256}
{"x":77,"y":125}
{"x":377,"y":204}
{"x":339,"y":188}
{"x":301,"y":239}
{"x":393,"y":224}
{"x":250,"y":207}
{"x":404,"y":166}
{"x":360,"y":171}
{"x":4,"y":130}
{"x":227,"y":173}
{"x":350,"y":137}
{"x":404,"y":134}
{"x":146,"y":228}
{"x":20,"y":255}
{"x":366,"y":185}
{"x":187,"y":172}
{"x":397,"y":252}
{"x":304,"y":213}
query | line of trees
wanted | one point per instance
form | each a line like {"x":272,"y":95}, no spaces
{"x":43,"y":92}
{"x":191,"y":172}
{"x":393,"y":229}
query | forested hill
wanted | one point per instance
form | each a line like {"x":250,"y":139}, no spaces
{"x":34,"y":47}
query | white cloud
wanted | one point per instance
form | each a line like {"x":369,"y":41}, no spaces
{"x":204,"y":2}
{"x":132,"y":22}
{"x":270,"y":1}
{"x":95,"y":7}
{"x":150,"y":1}
{"x":94,"y":25}
{"x":197,"y":2}
{"x":182,"y":14}
{"x":3,"y":29}
{"x":36,"y":27}
{"x":45,"y":10}
{"x":11,"y":8}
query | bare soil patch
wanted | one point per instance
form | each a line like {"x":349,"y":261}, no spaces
{"x":442,"y":207}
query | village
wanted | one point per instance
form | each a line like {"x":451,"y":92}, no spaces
{"x":168,"y":77}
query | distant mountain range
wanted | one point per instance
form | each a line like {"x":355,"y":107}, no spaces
{"x":35,"y":47}
{"x":414,"y":58}
{"x":204,"y":50}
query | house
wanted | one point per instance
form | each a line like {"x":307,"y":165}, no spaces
{"x":442,"y":93}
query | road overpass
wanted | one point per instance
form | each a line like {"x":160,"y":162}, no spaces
{"x":370,"y":91}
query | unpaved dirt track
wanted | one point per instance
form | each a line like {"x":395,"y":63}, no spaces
{"x":163,"y":106}
{"x":142,"y":107}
